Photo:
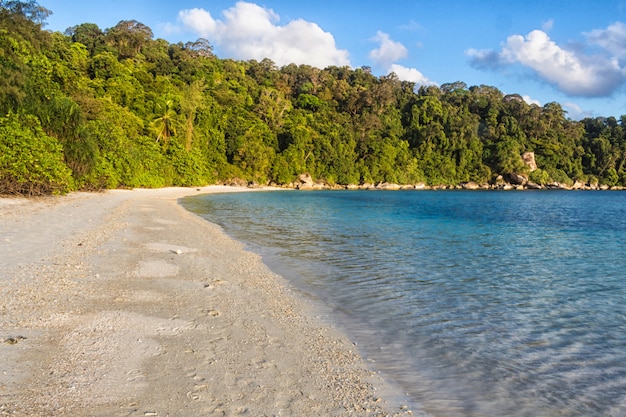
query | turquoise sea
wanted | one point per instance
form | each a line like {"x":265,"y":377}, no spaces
{"x":474,"y":303}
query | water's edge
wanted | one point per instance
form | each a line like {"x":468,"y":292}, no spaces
{"x":385,"y":386}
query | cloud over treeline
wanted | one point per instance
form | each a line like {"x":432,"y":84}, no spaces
{"x":249,"y":31}
{"x":595,"y":70}
{"x":388,"y":53}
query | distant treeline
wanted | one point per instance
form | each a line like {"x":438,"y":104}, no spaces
{"x":93,"y":109}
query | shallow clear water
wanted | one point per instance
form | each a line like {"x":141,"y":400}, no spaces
{"x":474,"y":303}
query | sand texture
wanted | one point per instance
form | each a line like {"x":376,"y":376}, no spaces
{"x":125,"y":304}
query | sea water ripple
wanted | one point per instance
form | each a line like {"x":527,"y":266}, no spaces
{"x":474,"y":303}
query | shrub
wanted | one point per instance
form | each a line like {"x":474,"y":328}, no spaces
{"x":31,"y":162}
{"x":539,"y":176}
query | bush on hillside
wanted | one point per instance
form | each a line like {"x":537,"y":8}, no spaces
{"x":31,"y":162}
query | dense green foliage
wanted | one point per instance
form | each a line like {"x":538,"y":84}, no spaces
{"x":126,"y":110}
{"x":30,"y":161}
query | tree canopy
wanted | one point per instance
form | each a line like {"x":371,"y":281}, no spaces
{"x":118,"y":108}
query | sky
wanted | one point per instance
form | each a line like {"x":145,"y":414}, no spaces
{"x":570,"y":52}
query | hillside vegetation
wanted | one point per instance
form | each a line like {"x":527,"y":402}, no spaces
{"x":96,"y":108}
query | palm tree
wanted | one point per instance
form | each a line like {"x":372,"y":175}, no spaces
{"x":165,"y":125}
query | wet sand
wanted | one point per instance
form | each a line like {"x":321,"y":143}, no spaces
{"x":124,"y":304}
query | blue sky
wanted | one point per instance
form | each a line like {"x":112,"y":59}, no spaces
{"x":571,"y":52}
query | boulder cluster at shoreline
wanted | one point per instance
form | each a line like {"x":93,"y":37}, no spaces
{"x":513,"y":182}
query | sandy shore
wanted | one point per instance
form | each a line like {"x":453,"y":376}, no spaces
{"x":125,"y":304}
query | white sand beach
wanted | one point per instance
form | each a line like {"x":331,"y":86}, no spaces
{"x":124,"y":304}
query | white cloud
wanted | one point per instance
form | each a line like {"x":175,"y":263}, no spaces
{"x":198,"y":20}
{"x":410,"y":74}
{"x":391,"y":51}
{"x":249,"y":31}
{"x":530,"y":100}
{"x":388,"y":52}
{"x":572,"y":72}
{"x":613,"y":39}
{"x":575,"y":112}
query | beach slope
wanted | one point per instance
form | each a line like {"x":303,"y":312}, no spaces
{"x":124,"y":304}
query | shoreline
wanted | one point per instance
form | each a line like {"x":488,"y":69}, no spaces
{"x":124,"y":303}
